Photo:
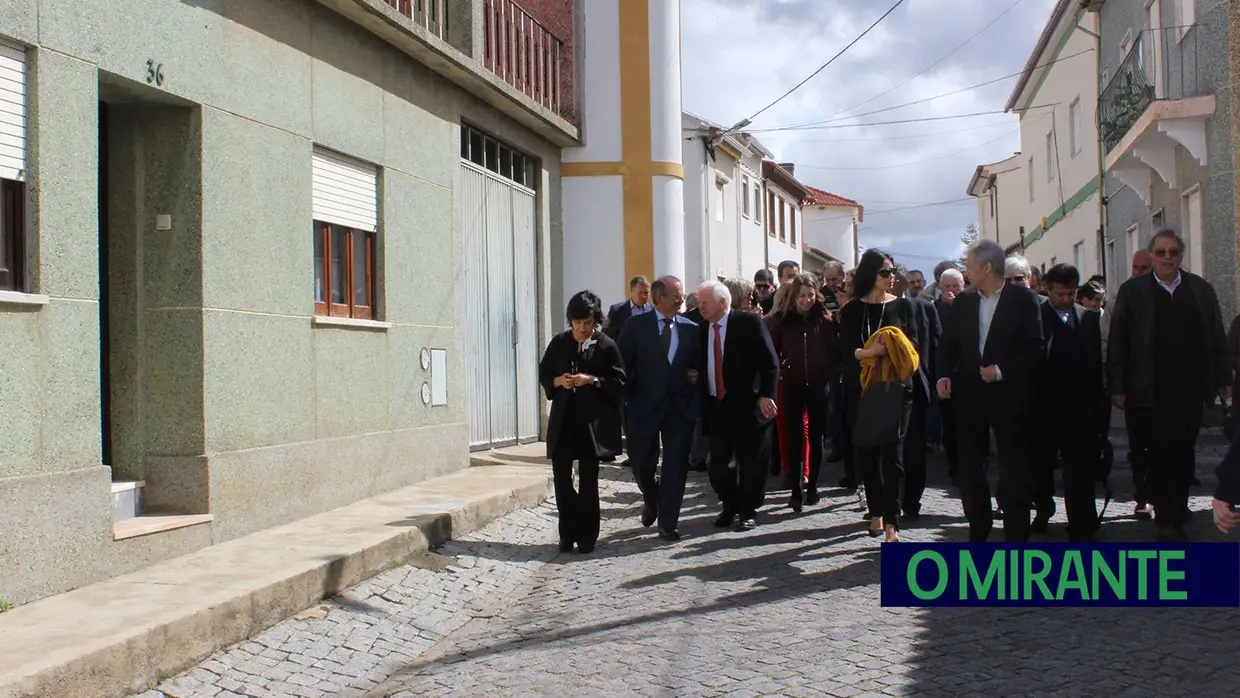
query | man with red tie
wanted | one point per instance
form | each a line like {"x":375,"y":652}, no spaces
{"x":742,"y":372}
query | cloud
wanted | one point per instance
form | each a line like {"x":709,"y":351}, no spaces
{"x":740,"y":55}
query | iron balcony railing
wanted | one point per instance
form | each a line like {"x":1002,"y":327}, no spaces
{"x":525,"y":54}
{"x":430,"y":14}
{"x":1161,"y":64}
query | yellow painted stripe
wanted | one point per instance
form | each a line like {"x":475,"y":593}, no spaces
{"x":619,"y":169}
{"x":635,"y":135}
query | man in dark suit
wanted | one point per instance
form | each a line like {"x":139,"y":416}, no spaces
{"x":741,"y":371}
{"x":1166,"y":359}
{"x":950,"y":284}
{"x":915,"y":438}
{"x":638,"y":303}
{"x":662,"y":356}
{"x":988,"y":357}
{"x":1068,"y":398}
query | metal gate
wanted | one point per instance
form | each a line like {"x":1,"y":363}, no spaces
{"x":501,"y":308}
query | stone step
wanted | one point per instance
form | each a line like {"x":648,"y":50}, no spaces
{"x":126,"y":499}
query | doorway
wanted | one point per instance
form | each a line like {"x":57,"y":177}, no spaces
{"x":105,"y":336}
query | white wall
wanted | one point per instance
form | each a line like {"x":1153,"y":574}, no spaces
{"x":1068,"y":81}
{"x":832,"y":229}
{"x":697,"y":233}
{"x":778,"y":250}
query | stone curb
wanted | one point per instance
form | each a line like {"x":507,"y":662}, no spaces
{"x":130,"y":662}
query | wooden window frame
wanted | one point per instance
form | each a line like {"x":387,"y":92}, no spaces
{"x":792,"y":227}
{"x":350,"y":308}
{"x":12,"y":235}
{"x":783,"y":221}
{"x":770,"y":213}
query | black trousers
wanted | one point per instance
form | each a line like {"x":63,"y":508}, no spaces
{"x":951,"y":437}
{"x":741,"y":491}
{"x":882,"y":468}
{"x":799,"y":399}
{"x":973,"y":425}
{"x":578,"y":508}
{"x":1139,"y":444}
{"x":1068,"y":431}
{"x":1168,"y":437}
{"x":915,"y":453}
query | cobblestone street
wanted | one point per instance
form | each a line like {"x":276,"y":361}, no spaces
{"x":791,"y":608}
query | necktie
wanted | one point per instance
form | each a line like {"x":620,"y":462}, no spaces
{"x":666,"y":337}
{"x":719,"y":391}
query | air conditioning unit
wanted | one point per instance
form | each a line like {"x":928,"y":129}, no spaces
{"x":1092,"y":5}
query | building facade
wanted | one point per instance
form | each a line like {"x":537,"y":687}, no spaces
{"x":1001,"y":201}
{"x":784,"y":224}
{"x":724,"y":201}
{"x":246,"y":246}
{"x":1166,"y":119}
{"x":830,"y":228}
{"x":1056,"y":99}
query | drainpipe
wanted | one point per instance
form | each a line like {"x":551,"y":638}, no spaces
{"x":994,"y":187}
{"x":1102,"y":190}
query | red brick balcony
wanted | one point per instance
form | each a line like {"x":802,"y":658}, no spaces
{"x":523,"y":51}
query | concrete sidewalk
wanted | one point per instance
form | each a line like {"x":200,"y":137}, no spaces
{"x":120,"y":636}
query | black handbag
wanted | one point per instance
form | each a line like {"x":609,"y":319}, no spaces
{"x":878,"y":415}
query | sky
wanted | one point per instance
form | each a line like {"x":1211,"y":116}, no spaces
{"x":740,"y":55}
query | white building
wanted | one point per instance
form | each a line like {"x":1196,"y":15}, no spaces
{"x":1002,"y":198}
{"x":723,"y":201}
{"x":784,"y":197}
{"x":1056,"y":99}
{"x":742,"y":210}
{"x":830,"y":229}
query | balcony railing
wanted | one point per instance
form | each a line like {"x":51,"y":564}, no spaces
{"x":430,"y":14}
{"x":524,"y":53}
{"x":1161,"y":64}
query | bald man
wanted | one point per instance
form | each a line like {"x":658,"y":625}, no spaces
{"x":1142,"y":262}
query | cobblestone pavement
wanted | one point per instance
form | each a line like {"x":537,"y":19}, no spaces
{"x":791,"y":608}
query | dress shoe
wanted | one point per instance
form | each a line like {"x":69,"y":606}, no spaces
{"x":795,"y":501}
{"x":847,"y":483}
{"x":697,"y":466}
{"x":746,"y":524}
{"x":585,"y":549}
{"x":650,"y":513}
{"x":997,"y":514}
{"x":1142,"y":510}
{"x":725,"y":519}
{"x":669,"y":534}
{"x":811,"y":496}
{"x":566,"y":546}
{"x":1041,"y":523}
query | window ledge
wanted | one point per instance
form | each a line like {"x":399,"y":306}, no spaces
{"x":17,"y":298}
{"x":355,"y":323}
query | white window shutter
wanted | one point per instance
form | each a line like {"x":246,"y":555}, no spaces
{"x":719,"y":208}
{"x":12,"y":112}
{"x":345,"y":191}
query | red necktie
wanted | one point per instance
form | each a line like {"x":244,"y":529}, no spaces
{"x":719,"y":391}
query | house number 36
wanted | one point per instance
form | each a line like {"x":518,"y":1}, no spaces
{"x":154,"y":73}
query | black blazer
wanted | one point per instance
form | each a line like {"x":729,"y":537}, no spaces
{"x":1089,"y":324}
{"x":617,"y":316}
{"x":930,"y":331}
{"x":750,"y":370}
{"x":600,"y":405}
{"x":1014,"y":344}
{"x":653,"y":385}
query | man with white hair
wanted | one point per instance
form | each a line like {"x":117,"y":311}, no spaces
{"x":950,"y":285}
{"x":742,"y":373}
{"x":1019,"y":273}
{"x":988,"y":355}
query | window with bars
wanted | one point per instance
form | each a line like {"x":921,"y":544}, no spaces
{"x":495,"y":155}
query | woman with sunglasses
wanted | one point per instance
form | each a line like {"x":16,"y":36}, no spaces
{"x":873,"y":307}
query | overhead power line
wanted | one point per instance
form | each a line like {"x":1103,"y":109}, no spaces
{"x":909,"y":164}
{"x":877,"y":123}
{"x":829,"y":62}
{"x":971,"y":129}
{"x":935,"y":64}
{"x":834,"y":120}
{"x":907,"y":208}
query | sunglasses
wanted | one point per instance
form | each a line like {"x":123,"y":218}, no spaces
{"x":1162,"y":254}
{"x":886,"y":272}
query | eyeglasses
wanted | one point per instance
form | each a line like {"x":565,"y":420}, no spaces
{"x":1164,"y":254}
{"x":886,"y":272}
{"x":762,"y":287}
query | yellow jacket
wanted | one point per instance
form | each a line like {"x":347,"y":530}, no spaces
{"x":902,"y":358}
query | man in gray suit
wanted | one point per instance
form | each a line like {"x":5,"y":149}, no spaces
{"x":661,"y":352}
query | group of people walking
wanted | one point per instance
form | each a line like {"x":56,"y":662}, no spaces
{"x":871,"y":369}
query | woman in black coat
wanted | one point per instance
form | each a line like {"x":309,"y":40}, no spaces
{"x":583,"y":375}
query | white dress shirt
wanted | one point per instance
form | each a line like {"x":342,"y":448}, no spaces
{"x":1171,"y":287}
{"x":710,"y":349}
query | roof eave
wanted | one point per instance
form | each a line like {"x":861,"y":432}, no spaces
{"x":1044,"y":40}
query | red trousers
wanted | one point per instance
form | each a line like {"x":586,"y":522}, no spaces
{"x":783,"y":435}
